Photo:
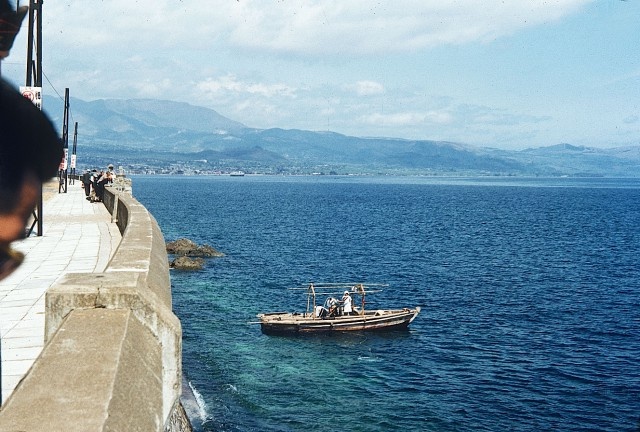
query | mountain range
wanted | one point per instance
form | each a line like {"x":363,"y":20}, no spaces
{"x":159,"y":133}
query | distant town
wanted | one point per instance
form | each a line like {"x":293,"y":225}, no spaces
{"x":204,"y":168}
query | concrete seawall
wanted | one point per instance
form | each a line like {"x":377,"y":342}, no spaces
{"x":112,"y":359}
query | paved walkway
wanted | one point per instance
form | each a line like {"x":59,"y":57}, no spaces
{"x":78,"y":237}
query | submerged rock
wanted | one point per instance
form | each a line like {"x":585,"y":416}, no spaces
{"x":186,"y":263}
{"x":208,"y":251}
{"x":186,"y":247}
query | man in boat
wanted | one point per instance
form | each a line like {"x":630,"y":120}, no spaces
{"x":331,"y":305}
{"x":347,"y":307}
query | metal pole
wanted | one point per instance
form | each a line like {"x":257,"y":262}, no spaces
{"x":73,"y":155}
{"x":66,"y":138}
{"x":32,"y":13}
{"x":35,"y":68}
{"x":65,"y":144}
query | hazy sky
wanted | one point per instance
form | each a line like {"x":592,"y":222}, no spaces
{"x":500,"y":73}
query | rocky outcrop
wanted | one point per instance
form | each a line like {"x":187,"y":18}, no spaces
{"x":186,"y":263}
{"x":187,"y":248}
{"x":189,"y":255}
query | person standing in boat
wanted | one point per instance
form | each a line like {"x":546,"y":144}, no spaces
{"x":347,"y":307}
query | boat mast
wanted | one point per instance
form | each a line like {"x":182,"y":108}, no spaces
{"x":311,"y":293}
{"x":360,"y":288}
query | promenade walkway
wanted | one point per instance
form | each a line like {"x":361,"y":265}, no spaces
{"x":78,"y":237}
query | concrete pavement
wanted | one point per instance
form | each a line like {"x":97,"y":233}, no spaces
{"x":78,"y":237}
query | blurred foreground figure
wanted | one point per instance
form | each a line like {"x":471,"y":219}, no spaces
{"x":30,"y":152}
{"x":10,"y":20}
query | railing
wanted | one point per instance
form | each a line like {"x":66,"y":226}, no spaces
{"x":113,"y":347}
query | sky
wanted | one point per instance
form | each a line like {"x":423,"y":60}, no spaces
{"x":508,"y":74}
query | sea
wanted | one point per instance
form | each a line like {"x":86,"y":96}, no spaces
{"x":529,"y":290}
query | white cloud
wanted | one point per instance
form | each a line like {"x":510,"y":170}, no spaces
{"x":631,"y":119}
{"x":152,"y":88}
{"x":270,"y":90}
{"x":408,"y":118}
{"x":161,"y":24}
{"x":305,"y":27}
{"x":231,"y":84}
{"x":367,"y":88}
{"x":362,"y":26}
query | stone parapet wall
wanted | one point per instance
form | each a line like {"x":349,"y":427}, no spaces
{"x":142,"y":248}
{"x":112,"y":359}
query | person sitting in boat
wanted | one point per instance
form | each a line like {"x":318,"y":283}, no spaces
{"x":347,"y":307}
{"x":323,"y":311}
{"x":331,"y":305}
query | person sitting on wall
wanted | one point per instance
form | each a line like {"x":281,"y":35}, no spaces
{"x":101,"y":183}
{"x":111,"y":173}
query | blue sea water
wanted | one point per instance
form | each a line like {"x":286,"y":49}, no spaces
{"x":529,"y":288}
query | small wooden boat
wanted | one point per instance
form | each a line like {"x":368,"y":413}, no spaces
{"x":332,"y":317}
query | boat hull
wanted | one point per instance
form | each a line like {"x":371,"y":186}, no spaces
{"x":381,"y":320}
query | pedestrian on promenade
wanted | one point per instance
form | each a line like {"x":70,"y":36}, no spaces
{"x":94,"y":185}
{"x":30,"y":151}
{"x":101,"y":181}
{"x":86,"y":183}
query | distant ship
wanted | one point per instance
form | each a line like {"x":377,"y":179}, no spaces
{"x":236,"y":173}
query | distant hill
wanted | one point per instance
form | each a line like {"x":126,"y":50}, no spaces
{"x":585,"y":161}
{"x":157,"y":133}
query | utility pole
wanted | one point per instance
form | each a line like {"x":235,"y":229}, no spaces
{"x":73,"y":155}
{"x":65,"y":144}
{"x":34,"y":67}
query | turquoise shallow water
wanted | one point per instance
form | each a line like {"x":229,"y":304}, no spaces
{"x":529,"y":290}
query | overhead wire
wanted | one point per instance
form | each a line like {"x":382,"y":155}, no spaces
{"x":53,"y":87}
{"x":59,"y":96}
